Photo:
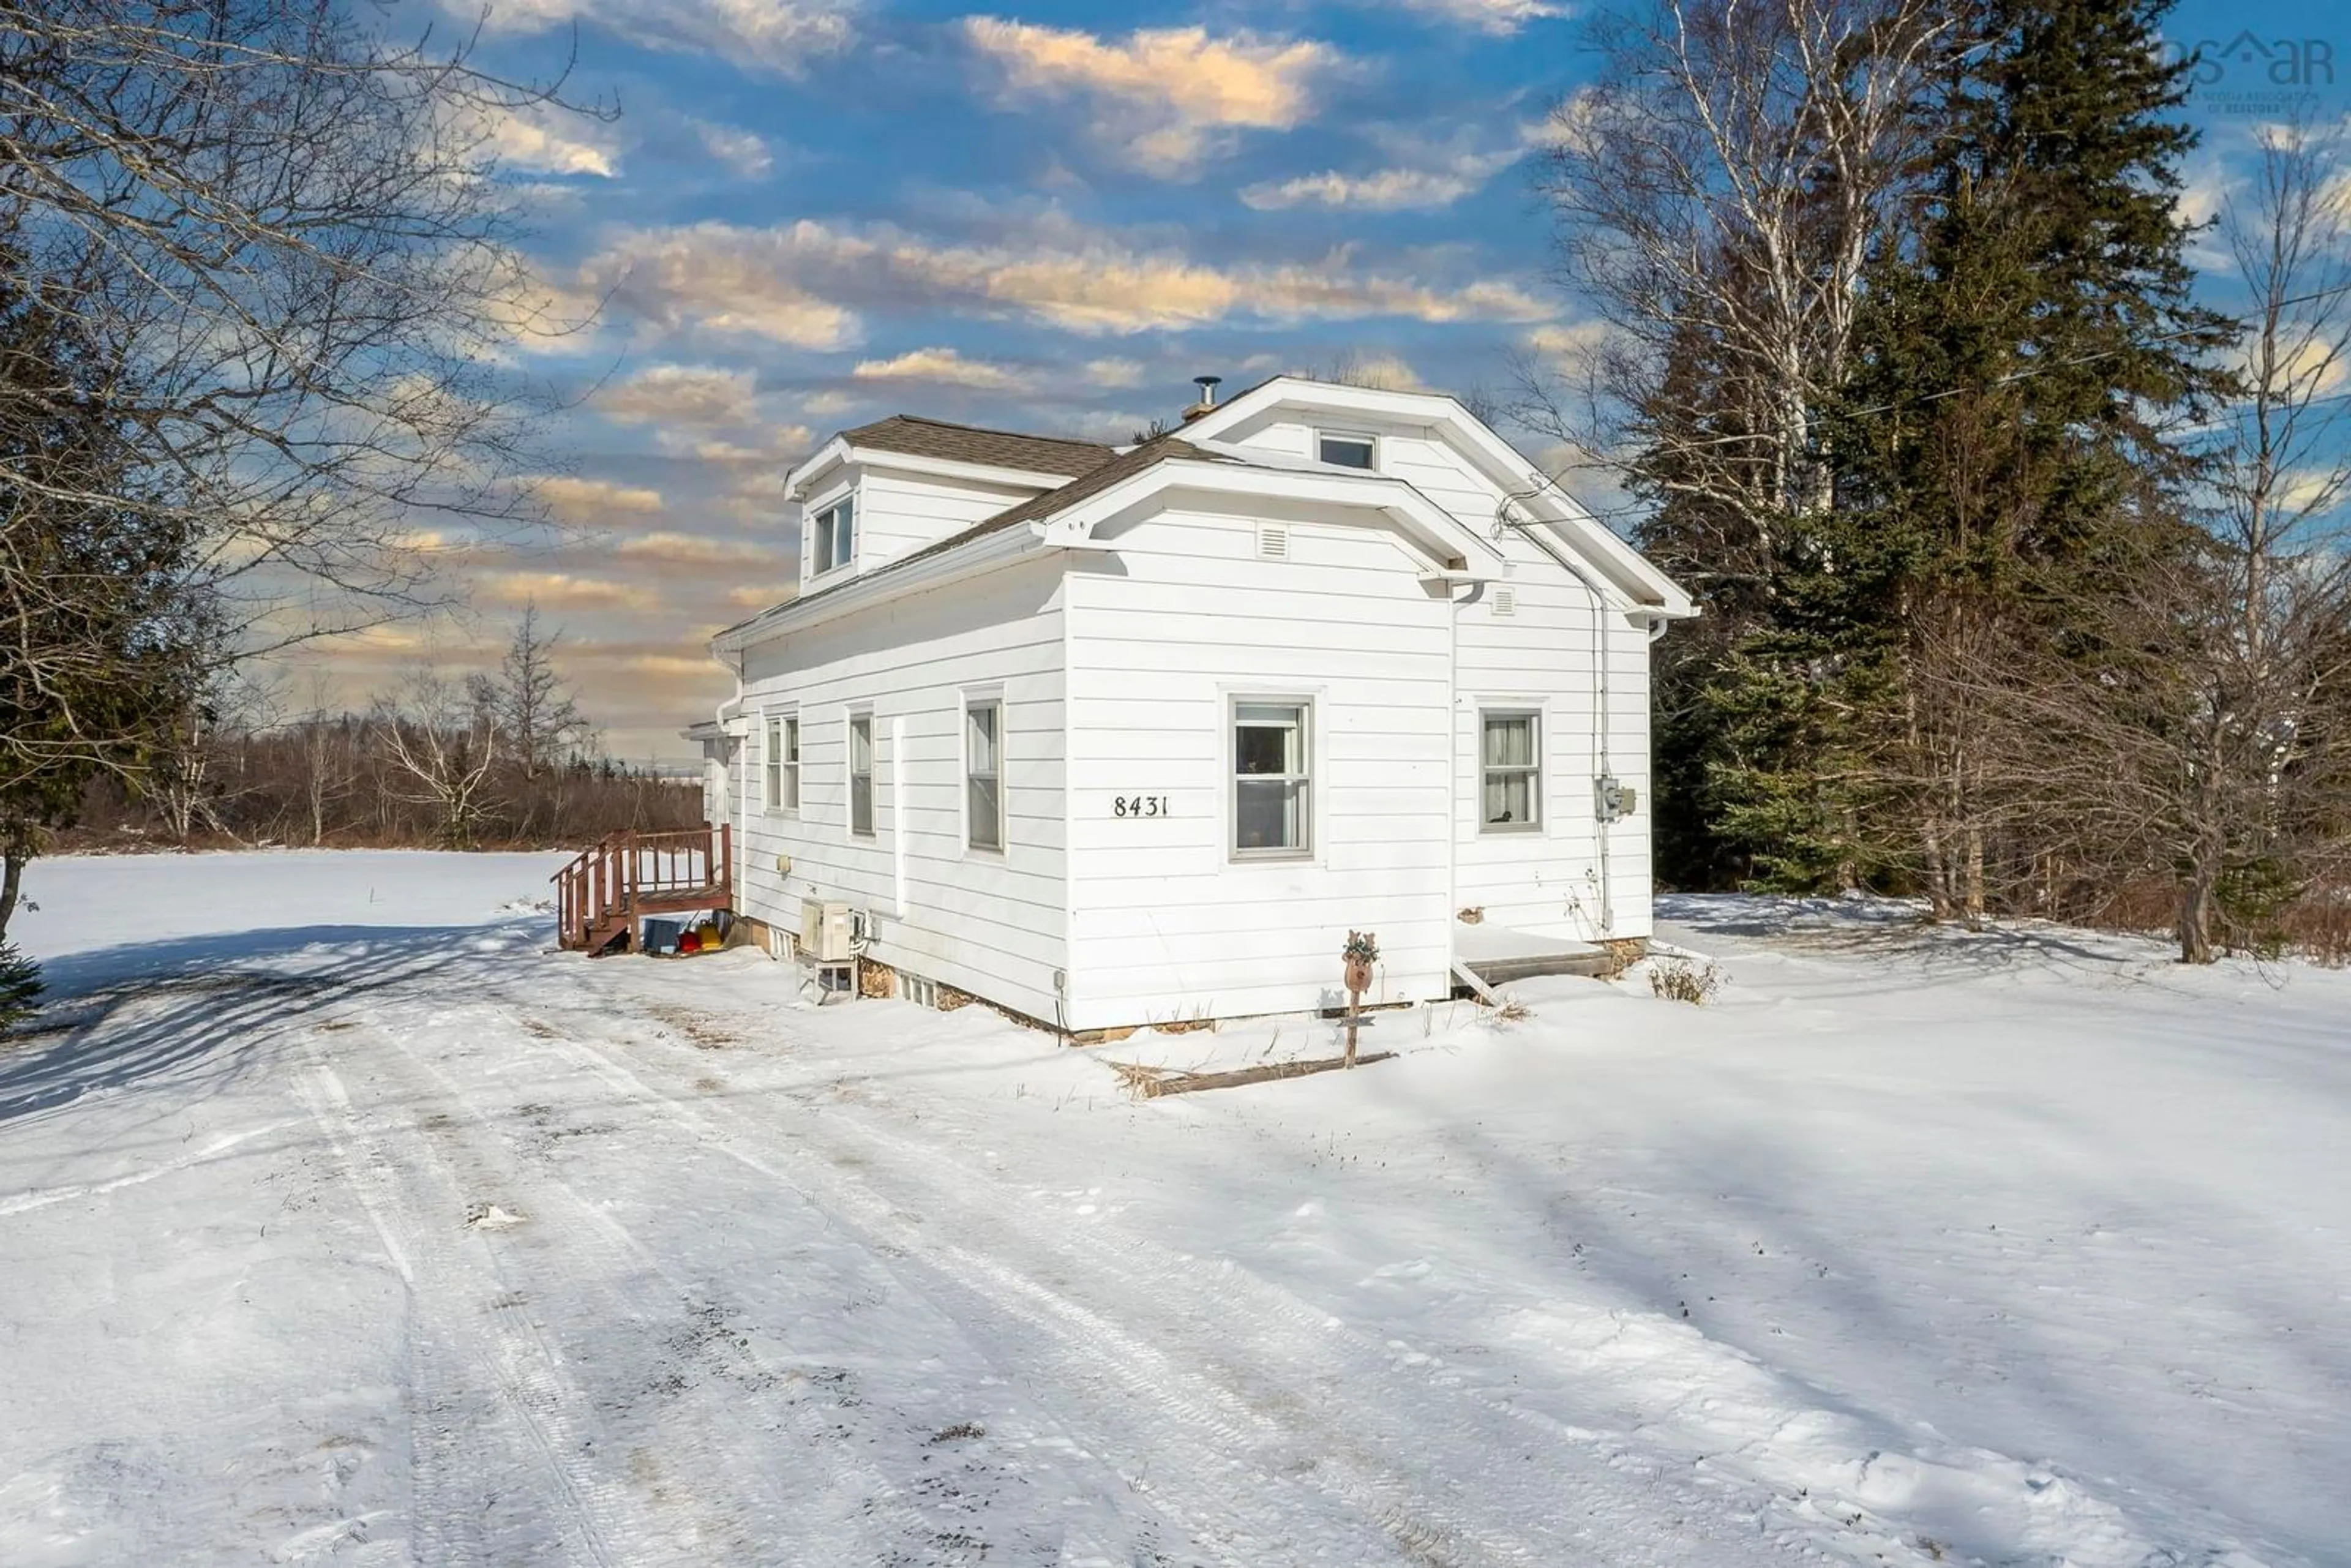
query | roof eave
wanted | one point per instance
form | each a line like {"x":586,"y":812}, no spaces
{"x":896,"y":581}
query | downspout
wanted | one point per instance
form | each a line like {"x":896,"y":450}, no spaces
{"x":1453,"y":825}
{"x":1502,"y":519}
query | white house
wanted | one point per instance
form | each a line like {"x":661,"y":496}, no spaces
{"x":1114,"y":734}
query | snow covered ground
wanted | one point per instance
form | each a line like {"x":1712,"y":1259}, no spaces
{"x":341,"y":1220}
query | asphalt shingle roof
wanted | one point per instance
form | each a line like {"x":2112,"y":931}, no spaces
{"x":922,"y":437}
{"x":1150,"y":454}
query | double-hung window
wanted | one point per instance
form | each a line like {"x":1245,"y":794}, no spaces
{"x":783,"y":762}
{"x":834,"y":535}
{"x":1509,"y":756}
{"x":861,"y":774}
{"x":983,"y":774}
{"x":1273,"y":801}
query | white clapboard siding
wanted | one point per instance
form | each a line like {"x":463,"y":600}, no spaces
{"x":899,"y":513}
{"x":1163,"y":924}
{"x":903,"y":512}
{"x":1543,"y":653}
{"x":990,"y":924}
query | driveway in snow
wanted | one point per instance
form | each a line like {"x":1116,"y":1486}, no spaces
{"x":340,"y":1220}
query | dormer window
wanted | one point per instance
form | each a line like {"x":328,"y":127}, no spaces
{"x":836,"y":534}
{"x":1344,"y":450}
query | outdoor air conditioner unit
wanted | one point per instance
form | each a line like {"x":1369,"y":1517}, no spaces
{"x":825,"y":932}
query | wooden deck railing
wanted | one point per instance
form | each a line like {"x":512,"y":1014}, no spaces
{"x":609,"y":888}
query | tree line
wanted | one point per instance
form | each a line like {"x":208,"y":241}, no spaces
{"x":501,"y":759}
{"x":2012,"y":492}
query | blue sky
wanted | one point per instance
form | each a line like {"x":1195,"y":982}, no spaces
{"x":811,"y":213}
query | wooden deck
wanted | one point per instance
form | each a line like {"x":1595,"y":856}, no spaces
{"x":605,"y":894}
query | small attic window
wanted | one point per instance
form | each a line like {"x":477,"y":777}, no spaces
{"x":1344,"y":450}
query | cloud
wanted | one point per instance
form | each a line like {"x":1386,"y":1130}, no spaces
{"x":808,"y":275}
{"x":784,"y":36}
{"x":1115,"y":372}
{"x":1571,"y":350}
{"x":1168,"y":99}
{"x":546,"y":139}
{"x":756,"y":497}
{"x":560,"y":591}
{"x":1562,"y":340}
{"x":680,"y":394}
{"x":676,"y":276}
{"x":1385,"y":371}
{"x":702,"y":669}
{"x":745,"y":151}
{"x":577,"y":500}
{"x":1502,"y":17}
{"x":695,"y":549}
{"x":1425,"y":176}
{"x":776,"y":444}
{"x":944,"y":366}
{"x":1383,"y":190}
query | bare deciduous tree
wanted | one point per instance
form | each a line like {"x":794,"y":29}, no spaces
{"x":1718,"y":192}
{"x":2210,"y":746}
{"x":288,"y":266}
{"x":447,"y":746}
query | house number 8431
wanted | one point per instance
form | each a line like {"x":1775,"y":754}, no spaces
{"x":1139,"y":805}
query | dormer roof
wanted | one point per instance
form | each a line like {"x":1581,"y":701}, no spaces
{"x":919,"y":437}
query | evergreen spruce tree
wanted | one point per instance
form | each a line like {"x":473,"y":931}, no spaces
{"x":20,"y":985}
{"x":2005,"y":446}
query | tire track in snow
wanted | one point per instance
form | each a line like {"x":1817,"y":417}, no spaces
{"x":595,"y":1250}
{"x":455,"y":1476}
{"x":884,"y":1236}
{"x":42,"y":1197}
{"x":1117,"y":1369}
{"x":1375,"y":1396}
{"x":1804,"y":1471}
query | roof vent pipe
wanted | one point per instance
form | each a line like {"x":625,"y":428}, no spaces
{"x":1207,"y":385}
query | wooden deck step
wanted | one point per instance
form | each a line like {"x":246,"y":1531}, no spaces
{"x":626,"y":876}
{"x":1497,"y":954}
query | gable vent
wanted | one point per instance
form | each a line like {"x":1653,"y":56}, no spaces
{"x":1506,"y":601}
{"x":1273,"y":541}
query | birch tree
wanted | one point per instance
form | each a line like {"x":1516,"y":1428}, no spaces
{"x":1717,"y":194}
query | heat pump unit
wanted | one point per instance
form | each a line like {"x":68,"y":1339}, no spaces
{"x":825,"y":932}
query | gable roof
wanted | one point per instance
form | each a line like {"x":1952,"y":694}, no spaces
{"x":1093,"y":481}
{"x":921,"y":437}
{"x":1103,"y":478}
{"x":1523,"y":484}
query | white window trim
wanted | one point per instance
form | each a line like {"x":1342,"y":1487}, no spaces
{"x":1310,"y":829}
{"x":1333,"y":433}
{"x":814,"y":513}
{"x":771,"y":726}
{"x":1539,"y":793}
{"x":849,"y":717}
{"x":981,"y":696}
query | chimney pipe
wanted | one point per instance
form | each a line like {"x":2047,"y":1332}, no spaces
{"x":1207,"y":385}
